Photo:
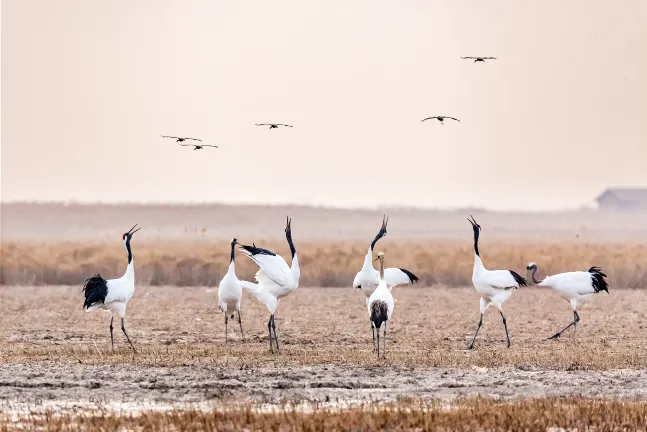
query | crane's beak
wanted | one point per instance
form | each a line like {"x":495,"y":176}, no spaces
{"x":131,"y":232}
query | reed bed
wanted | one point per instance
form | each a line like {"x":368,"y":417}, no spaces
{"x":466,"y":415}
{"x":324,"y":264}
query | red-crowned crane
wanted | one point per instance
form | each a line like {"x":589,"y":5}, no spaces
{"x":575,"y":287}
{"x":113,"y":294}
{"x":493,"y":286}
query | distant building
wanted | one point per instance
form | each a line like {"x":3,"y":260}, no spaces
{"x":623,"y":199}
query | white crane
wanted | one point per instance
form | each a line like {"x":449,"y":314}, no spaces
{"x":230,"y":292}
{"x":368,"y":278}
{"x":113,"y":294}
{"x":575,"y":287}
{"x":494,"y":286}
{"x":380,"y":306}
{"x":275,"y":279}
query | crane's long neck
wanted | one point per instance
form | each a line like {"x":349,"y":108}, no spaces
{"x":130,"y":269}
{"x":476,"y":242}
{"x":368,"y":260}
{"x":296,"y":271}
{"x":232,"y":258}
{"x":534,"y":279}
{"x":381,"y":268}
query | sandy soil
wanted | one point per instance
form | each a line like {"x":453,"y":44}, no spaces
{"x":59,"y":355}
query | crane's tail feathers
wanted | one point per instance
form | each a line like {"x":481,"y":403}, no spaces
{"x":518,"y":279}
{"x":412,"y":278}
{"x":96,"y":290}
{"x":598,"y":280}
{"x":379,"y":313}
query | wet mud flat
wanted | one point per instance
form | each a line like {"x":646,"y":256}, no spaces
{"x":52,"y":385}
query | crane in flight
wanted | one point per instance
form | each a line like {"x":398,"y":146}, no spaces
{"x":273,"y":125}
{"x":441,"y":118}
{"x":181,"y":139}
{"x":479,"y":59}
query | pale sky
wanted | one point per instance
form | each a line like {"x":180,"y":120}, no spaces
{"x":88,"y":87}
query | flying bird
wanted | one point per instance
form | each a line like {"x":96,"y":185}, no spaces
{"x":275,"y":278}
{"x":368,"y":278}
{"x":113,"y":294}
{"x":575,"y":287}
{"x":479,"y":59}
{"x":181,"y":139}
{"x":198,"y":147}
{"x":230,"y":292}
{"x":493,"y":286}
{"x":441,"y":118}
{"x":273,"y":125}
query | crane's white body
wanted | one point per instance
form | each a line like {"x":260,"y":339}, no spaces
{"x":230,"y":291}
{"x":275,"y":278}
{"x":575,"y":287}
{"x":120,"y":291}
{"x":383,"y":293}
{"x":493,"y":286}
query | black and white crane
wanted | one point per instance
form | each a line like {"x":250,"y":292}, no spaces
{"x":230,"y":292}
{"x":441,"y":119}
{"x":575,"y":287}
{"x":479,"y":59}
{"x":113,"y":294}
{"x":275,"y":278}
{"x":493,"y":286}
{"x":380,"y":306}
{"x":273,"y":125}
{"x":368,"y":278}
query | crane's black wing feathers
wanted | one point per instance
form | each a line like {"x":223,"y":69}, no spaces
{"x":597,"y":280}
{"x":518,"y":279}
{"x":96,"y":290}
{"x":412,"y":278}
{"x":253,"y":250}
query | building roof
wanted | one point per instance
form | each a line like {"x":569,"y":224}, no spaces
{"x":626,"y":194}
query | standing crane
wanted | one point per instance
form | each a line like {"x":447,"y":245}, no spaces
{"x":381,"y":305}
{"x":575,"y":287}
{"x":113,"y":294}
{"x":230,"y":292}
{"x":275,"y":278}
{"x":493,"y":286}
{"x":368,"y":278}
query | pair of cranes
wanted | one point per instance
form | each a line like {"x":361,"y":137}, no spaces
{"x":276,"y":280}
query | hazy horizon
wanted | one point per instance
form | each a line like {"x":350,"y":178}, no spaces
{"x":89,"y":87}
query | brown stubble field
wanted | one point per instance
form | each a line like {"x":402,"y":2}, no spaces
{"x":54,"y":352}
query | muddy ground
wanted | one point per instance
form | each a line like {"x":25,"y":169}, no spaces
{"x":56,"y":355}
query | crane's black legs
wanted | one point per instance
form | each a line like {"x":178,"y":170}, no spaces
{"x":226,"y":320}
{"x":576,"y":319}
{"x":112,"y":340}
{"x":241,"y":326}
{"x":269,"y":329}
{"x":272,"y":326}
{"x":378,"y":344}
{"x":477,"y":332}
{"x":276,"y":338}
{"x":123,"y":328}
{"x":384,"y":353}
{"x":506,"y":328}
{"x":373,"y":330}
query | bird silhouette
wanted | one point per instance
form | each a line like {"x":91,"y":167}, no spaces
{"x":181,"y":139}
{"x":273,"y":125}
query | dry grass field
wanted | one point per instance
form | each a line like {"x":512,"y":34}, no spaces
{"x":324,"y":264}
{"x":465,"y":415}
